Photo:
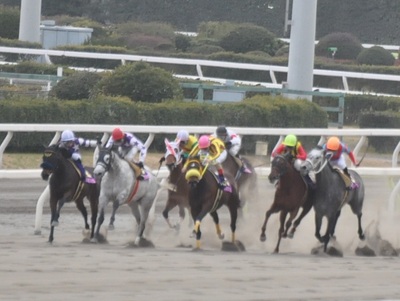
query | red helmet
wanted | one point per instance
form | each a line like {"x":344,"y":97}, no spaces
{"x":117,"y":134}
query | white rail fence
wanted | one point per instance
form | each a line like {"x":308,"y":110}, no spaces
{"x":271,"y":69}
{"x":105,"y":130}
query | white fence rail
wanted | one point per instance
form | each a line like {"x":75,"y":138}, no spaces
{"x":105,"y":130}
{"x":47,"y":53}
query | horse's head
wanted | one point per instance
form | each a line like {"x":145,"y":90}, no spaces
{"x":279,"y":166}
{"x":172,"y":157}
{"x":103,"y":162}
{"x":316,"y":160}
{"x":194,"y":172}
{"x":50,"y":161}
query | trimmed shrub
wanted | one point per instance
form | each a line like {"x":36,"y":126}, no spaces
{"x":141,"y":82}
{"x":247,"y":38}
{"x":348,"y":46}
{"x":79,"y":85}
{"x":376,"y":55}
{"x":9,"y":22}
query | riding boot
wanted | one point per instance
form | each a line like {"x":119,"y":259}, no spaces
{"x":354,"y":185}
{"x":243,"y":166}
{"x":222,"y":181}
{"x":78,"y":164}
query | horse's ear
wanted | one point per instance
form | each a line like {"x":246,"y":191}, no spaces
{"x":166,"y":141}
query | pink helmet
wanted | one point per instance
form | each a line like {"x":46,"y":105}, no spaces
{"x":204,"y":142}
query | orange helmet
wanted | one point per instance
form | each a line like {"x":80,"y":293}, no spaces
{"x":333,"y":144}
{"x":117,"y":134}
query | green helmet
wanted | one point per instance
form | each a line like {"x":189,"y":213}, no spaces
{"x":290,"y":140}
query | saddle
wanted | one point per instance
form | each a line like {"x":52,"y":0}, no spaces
{"x":88,"y":176}
{"x":140,"y":174}
{"x":348,"y":182}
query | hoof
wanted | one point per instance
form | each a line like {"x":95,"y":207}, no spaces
{"x":319,"y":251}
{"x":101,"y":239}
{"x":232,"y":247}
{"x":290,"y":235}
{"x":365,"y":251}
{"x":86,"y":240}
{"x":221,"y":236}
{"x":54,"y":223}
{"x":111,"y":227}
{"x":263,"y":237}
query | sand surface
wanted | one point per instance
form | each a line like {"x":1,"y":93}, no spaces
{"x":32,"y":269}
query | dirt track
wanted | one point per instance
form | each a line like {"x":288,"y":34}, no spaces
{"x":32,"y":269}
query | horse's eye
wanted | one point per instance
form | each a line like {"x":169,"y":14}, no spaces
{"x":176,"y":150}
{"x":107,"y":159}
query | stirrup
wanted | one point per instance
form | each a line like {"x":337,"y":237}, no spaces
{"x":244,"y":169}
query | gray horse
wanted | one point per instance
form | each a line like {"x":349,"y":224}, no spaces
{"x":331,"y":194}
{"x":120,"y":186}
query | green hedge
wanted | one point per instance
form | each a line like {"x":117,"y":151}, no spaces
{"x":260,"y":111}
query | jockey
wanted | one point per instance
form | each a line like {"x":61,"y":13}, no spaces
{"x":186,"y":143}
{"x":71,"y":143}
{"x":293,"y":146}
{"x":233,"y":143}
{"x":334,"y":149}
{"x":128,"y":145}
{"x":212,"y":151}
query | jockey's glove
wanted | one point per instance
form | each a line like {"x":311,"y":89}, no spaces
{"x":161,"y":160}
{"x":140,"y":164}
{"x":228,"y":145}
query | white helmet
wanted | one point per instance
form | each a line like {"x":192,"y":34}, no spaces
{"x":182,"y":135}
{"x":67,"y":135}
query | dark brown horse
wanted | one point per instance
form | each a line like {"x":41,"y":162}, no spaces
{"x":290,"y":195}
{"x":66,"y":186}
{"x":246,"y":182}
{"x":178,"y":188}
{"x":206,"y":196}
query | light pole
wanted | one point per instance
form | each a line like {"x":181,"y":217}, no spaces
{"x":29,"y":22}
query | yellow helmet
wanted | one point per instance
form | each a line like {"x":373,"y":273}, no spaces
{"x":290,"y":140}
{"x":333,"y":144}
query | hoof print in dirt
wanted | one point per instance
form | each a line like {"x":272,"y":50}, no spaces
{"x":233,"y":247}
{"x":331,"y":251}
{"x":143,"y":243}
{"x":365,"y":251}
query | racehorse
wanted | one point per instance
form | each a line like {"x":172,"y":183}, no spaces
{"x":178,"y":191}
{"x":290,"y":195}
{"x":331,"y":194}
{"x":66,"y":186}
{"x":120,"y":186}
{"x":206,"y":196}
{"x":246,"y":182}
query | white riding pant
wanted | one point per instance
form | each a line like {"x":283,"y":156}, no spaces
{"x":234,"y":150}
{"x":221,"y":157}
{"x":128,"y":154}
{"x":341,"y":162}
{"x":76,"y":156}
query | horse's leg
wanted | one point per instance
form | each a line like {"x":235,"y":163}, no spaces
{"x":282,"y":218}
{"x":332,"y":230}
{"x":168,"y":207}
{"x":94,"y":208}
{"x":53,"y":208}
{"x":318,"y":223}
{"x":81,"y":207}
{"x":140,"y":226}
{"x":197,"y":221}
{"x":101,"y":210}
{"x":233,"y":210}
{"x":217,"y":225}
{"x":112,"y":218}
{"x":357,"y":210}
{"x":306,"y":208}
{"x":273,"y":209}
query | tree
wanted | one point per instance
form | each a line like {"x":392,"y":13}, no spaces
{"x":9,"y":22}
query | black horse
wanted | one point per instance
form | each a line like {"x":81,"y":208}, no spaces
{"x":66,"y":186}
{"x":206,"y":196}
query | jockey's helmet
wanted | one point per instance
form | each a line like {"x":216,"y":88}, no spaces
{"x":222,"y":131}
{"x":117,"y":134}
{"x":204,"y":142}
{"x":290,"y":140}
{"x":333,"y":144}
{"x":182,"y":135}
{"x":67,"y":135}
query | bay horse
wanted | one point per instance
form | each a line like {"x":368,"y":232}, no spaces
{"x":206,"y":196}
{"x":66,"y":186}
{"x":120,"y":186}
{"x":291,"y":194}
{"x":331,"y":194}
{"x":246,"y":182}
{"x":178,"y":188}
